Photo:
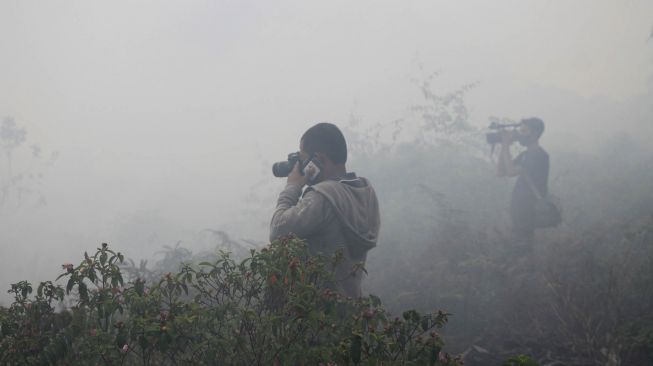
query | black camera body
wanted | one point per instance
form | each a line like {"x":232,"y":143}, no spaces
{"x":283,"y":168}
{"x":494,"y":138}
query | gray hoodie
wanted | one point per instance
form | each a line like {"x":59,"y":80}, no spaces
{"x":331,"y":215}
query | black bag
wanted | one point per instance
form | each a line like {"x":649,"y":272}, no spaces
{"x":547,"y":208}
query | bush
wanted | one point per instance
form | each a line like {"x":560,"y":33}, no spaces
{"x":275,"y":307}
{"x":520,"y":360}
{"x":580,"y":295}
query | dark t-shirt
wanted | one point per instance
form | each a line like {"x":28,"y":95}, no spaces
{"x":534,"y":163}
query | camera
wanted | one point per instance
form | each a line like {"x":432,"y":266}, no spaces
{"x":494,"y":138}
{"x":282,"y":169}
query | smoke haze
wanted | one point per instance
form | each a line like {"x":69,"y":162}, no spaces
{"x":147,"y":122}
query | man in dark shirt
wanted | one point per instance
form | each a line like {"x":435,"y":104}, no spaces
{"x":532,"y":169}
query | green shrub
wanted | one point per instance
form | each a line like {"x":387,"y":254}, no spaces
{"x":276,"y":307}
{"x":519,"y":360}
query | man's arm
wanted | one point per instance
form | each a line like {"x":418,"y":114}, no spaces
{"x":300,"y":217}
{"x":506,"y":166}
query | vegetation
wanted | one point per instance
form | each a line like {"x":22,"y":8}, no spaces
{"x":21,"y":168}
{"x":581,"y":295}
{"x":276,"y":307}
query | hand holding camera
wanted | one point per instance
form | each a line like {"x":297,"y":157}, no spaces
{"x":298,"y":172}
{"x":505,"y":134}
{"x":296,"y":177}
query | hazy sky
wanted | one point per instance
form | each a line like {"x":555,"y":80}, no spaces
{"x":173,"y":110}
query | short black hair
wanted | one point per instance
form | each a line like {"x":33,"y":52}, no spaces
{"x":534,"y":124}
{"x":326,"y":138}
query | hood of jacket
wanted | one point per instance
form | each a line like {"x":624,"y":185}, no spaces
{"x":356,"y":207}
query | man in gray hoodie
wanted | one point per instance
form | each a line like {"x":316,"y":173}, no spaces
{"x":337,"y":211}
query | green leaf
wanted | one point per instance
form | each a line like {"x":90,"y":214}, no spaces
{"x":411,"y":315}
{"x":375,"y":300}
{"x":142,"y":341}
{"x":435,"y":350}
{"x":121,"y":340}
{"x":520,"y":360}
{"x":139,"y":287}
{"x":425,"y":322}
{"x":69,"y":286}
{"x":355,"y":349}
{"x":91,"y":275}
{"x":83,"y":291}
{"x":39,"y":290}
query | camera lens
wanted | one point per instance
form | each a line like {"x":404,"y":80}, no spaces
{"x":281,"y":169}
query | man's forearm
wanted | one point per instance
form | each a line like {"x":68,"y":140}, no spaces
{"x":509,"y":168}
{"x":501,"y":170}
{"x":501,"y":164}
{"x":287,"y":199}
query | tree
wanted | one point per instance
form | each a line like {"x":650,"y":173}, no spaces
{"x":20,"y":181}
